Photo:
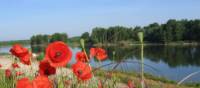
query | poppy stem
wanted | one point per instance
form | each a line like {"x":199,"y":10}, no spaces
{"x":82,"y":41}
{"x":61,"y":79}
{"x":14,"y":71}
{"x":83,"y":47}
{"x":31,"y":65}
{"x":141,"y":36}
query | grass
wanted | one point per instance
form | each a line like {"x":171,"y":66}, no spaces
{"x":5,"y":82}
{"x":151,"y":81}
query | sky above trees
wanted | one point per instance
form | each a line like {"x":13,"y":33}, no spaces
{"x":20,"y":19}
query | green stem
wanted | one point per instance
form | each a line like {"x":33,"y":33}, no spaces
{"x":142,"y":65}
{"x":83,"y":47}
{"x":61,"y":79}
{"x":141,"y":36}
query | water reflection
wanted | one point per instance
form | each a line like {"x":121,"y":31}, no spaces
{"x":172,"y":62}
{"x":174,"y":56}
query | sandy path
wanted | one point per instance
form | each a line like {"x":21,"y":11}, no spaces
{"x":6,"y":63}
{"x":7,"y":60}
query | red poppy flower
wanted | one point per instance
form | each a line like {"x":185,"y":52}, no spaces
{"x":42,"y":82}
{"x":8,"y":73}
{"x":80,"y":56}
{"x":0,"y":65}
{"x":24,"y":83}
{"x":92,"y":52}
{"x":18,"y":50}
{"x":19,"y":73}
{"x":46,"y":69}
{"x":82,"y":70}
{"x":99,"y":53}
{"x":22,"y":53}
{"x":15,"y":65}
{"x":130,"y":84}
{"x":100,"y":84}
{"x":58,"y":54}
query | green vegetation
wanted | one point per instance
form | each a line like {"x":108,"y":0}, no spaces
{"x":6,"y":43}
{"x":113,"y":34}
{"x":40,"y":57}
{"x":5,"y":82}
{"x":150,"y":80}
{"x":86,"y":37}
{"x":171,"y":31}
{"x":74,"y":41}
{"x":58,"y":37}
{"x":39,"y":42}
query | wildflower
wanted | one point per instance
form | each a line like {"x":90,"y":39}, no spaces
{"x":22,"y":53}
{"x":81,"y":56}
{"x":58,"y":54}
{"x":38,"y":82}
{"x":24,"y":83}
{"x":82,"y":70}
{"x":99,"y":53}
{"x":8,"y":73}
{"x":19,"y":73}
{"x":46,"y":69}
{"x":15,"y":65}
{"x":131,"y":84}
{"x":42,"y":82}
{"x":100,"y":84}
{"x":0,"y":65}
{"x":92,"y":52}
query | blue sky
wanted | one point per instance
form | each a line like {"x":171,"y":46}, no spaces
{"x":20,"y":19}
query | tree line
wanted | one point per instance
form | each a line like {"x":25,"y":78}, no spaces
{"x":12,"y":42}
{"x":39,"y":42}
{"x":171,"y":31}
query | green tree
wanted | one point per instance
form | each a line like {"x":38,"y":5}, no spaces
{"x":59,"y":37}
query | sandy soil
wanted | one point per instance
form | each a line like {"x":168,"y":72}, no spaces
{"x":7,"y":60}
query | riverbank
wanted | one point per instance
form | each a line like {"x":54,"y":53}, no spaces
{"x":127,"y":43}
{"x":120,"y":77}
{"x":150,"y":81}
{"x":6,"y":43}
{"x":75,"y":41}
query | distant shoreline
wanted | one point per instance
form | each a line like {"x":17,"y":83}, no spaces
{"x":121,"y":43}
{"x":11,"y":42}
{"x":150,"y":44}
